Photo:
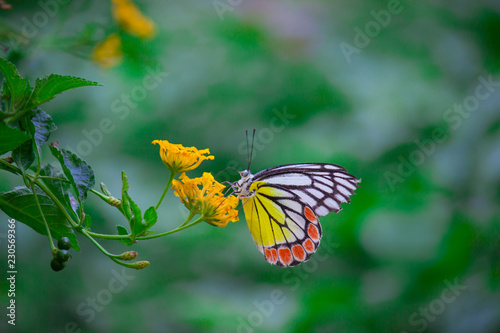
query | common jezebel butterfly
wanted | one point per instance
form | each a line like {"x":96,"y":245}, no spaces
{"x":282,"y":205}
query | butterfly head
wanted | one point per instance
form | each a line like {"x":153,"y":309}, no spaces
{"x":242,"y":186}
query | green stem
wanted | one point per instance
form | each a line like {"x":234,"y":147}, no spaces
{"x":56,"y":201}
{"x":170,"y":178}
{"x":10,"y":166}
{"x":182,"y":227}
{"x":105,"y":198}
{"x":104,"y":236}
{"x":109,"y":255}
{"x":190,"y":217}
{"x":54,"y":178}
{"x":52,"y":246}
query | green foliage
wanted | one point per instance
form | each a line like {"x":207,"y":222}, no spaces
{"x":48,"y":87}
{"x":11,"y":138}
{"x":21,"y":205}
{"x":79,"y":173}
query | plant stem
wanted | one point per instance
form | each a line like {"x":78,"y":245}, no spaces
{"x":170,"y":178}
{"x":56,"y":201}
{"x":182,"y":227}
{"x":10,"y":166}
{"x":104,"y":236}
{"x":109,"y":255}
{"x":52,"y":246}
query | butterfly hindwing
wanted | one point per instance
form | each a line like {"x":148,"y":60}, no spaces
{"x":284,"y":228}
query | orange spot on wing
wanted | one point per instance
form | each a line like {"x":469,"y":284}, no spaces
{"x":267,"y":254}
{"x":312,"y":231}
{"x":274,"y":256}
{"x":271,"y":256}
{"x":309,"y":214}
{"x":298,"y":252}
{"x":285,"y":256}
{"x":308,"y":245}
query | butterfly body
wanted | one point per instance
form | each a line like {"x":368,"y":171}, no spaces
{"x":282,"y":206}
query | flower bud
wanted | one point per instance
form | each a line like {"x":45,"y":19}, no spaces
{"x":129,"y":255}
{"x":141,"y":264}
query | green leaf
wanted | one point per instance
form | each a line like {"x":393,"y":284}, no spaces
{"x":123,"y":231}
{"x":78,"y":172}
{"x":87,"y":222}
{"x":43,"y":126}
{"x":125,"y":202}
{"x":150,"y":216}
{"x":24,"y":155}
{"x":20,"y":204}
{"x":11,"y":138}
{"x":59,"y":188}
{"x":136,"y":220}
{"x":48,"y":87}
{"x":13,"y":81}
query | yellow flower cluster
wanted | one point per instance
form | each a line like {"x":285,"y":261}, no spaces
{"x":208,"y":201}
{"x":179,"y":159}
{"x":130,"y":18}
{"x":108,"y":53}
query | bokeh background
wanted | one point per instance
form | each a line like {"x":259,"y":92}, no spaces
{"x":393,"y":91}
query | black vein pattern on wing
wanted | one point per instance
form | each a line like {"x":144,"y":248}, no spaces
{"x":285,"y":208}
{"x":317,"y":173}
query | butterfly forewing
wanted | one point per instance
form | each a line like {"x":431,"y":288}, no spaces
{"x":282,"y":215}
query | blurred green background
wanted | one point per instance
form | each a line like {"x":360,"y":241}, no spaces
{"x":396,"y":92}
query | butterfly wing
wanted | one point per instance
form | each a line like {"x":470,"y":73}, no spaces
{"x":283,"y":214}
{"x":283,"y":227}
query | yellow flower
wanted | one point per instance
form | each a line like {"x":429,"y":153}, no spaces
{"x":208,"y":201}
{"x":108,"y":53}
{"x":178,"y":158}
{"x":132,"y":20}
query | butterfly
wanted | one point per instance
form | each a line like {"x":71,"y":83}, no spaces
{"x":283,"y":204}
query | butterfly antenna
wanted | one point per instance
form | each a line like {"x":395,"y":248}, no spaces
{"x":251,"y":149}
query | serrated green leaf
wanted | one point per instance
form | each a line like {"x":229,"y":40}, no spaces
{"x":20,"y":204}
{"x":11,"y":138}
{"x":78,"y":172}
{"x":24,"y":155}
{"x":48,"y":87}
{"x":15,"y":83}
{"x":43,"y":126}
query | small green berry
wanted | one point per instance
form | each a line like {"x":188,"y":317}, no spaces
{"x":63,"y":255}
{"x":64,"y":243}
{"x":57,"y":265}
